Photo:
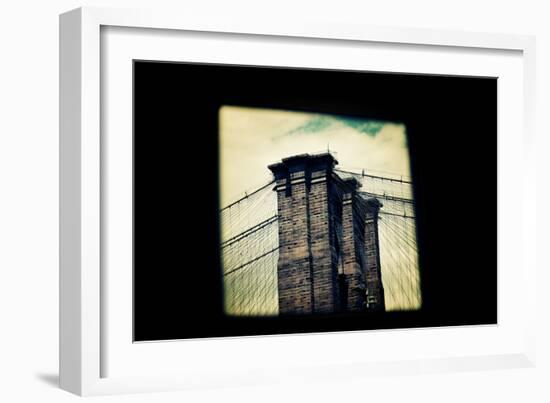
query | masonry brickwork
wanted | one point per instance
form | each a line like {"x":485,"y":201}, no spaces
{"x":328,"y":242}
{"x":375,"y":290}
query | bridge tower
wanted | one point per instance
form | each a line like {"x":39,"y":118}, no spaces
{"x":329,"y":258}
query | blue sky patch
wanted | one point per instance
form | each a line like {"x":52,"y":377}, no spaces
{"x":314,"y":125}
{"x":319,"y":123}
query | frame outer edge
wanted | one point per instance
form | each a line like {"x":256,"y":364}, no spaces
{"x":174,"y":18}
{"x":531,"y":134}
{"x":79,"y":176}
{"x":90,"y":192}
{"x":70,"y":119}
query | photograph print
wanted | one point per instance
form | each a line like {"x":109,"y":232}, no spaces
{"x":271,"y":200}
{"x":316,"y":236}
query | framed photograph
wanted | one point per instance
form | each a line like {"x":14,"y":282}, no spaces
{"x":241,"y":201}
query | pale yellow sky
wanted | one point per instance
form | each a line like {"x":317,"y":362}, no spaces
{"x":253,"y":138}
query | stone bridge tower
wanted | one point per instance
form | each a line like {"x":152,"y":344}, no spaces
{"x":329,"y":258}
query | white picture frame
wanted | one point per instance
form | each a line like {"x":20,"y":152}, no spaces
{"x":83,"y":306}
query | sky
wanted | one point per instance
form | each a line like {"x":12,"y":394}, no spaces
{"x":253,"y":138}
